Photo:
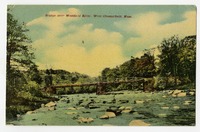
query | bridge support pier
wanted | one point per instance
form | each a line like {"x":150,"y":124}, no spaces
{"x":100,"y":89}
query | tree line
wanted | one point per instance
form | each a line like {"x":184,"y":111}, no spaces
{"x":175,"y":65}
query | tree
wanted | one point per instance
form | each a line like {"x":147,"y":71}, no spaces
{"x":19,"y":53}
{"x":146,"y":65}
{"x":168,"y":58}
{"x":178,"y":58}
{"x":187,"y":58}
{"x":19,"y":57}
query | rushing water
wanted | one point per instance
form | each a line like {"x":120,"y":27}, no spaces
{"x":157,"y":109}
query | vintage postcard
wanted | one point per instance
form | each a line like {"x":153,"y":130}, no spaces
{"x":101,"y":65}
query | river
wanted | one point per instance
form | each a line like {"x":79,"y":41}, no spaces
{"x":115,"y":109}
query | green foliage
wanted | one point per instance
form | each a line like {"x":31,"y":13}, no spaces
{"x":178,"y":58}
{"x":168,"y":57}
{"x":23,"y":77}
{"x":135,"y":67}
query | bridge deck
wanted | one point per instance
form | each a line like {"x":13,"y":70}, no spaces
{"x":96,"y":83}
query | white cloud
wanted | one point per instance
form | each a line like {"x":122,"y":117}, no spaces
{"x":61,"y":45}
{"x":55,"y":24}
{"x":151,"y":32}
{"x":100,"y":48}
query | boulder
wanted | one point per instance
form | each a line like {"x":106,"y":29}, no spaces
{"x":110,"y":114}
{"x":176,"y":91}
{"x":104,"y":117}
{"x":128,"y":108}
{"x":183,"y":94}
{"x":139,"y":102}
{"x":114,"y":109}
{"x":51,"y":108}
{"x":50,"y":104}
{"x":138,"y":123}
{"x":192,"y":93}
{"x":170,"y":92}
{"x":188,"y":102}
{"x":121,"y":108}
{"x":85,"y":120}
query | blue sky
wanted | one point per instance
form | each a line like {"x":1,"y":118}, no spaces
{"x":108,"y":42}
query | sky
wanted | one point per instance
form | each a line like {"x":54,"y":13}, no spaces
{"x":89,"y":44}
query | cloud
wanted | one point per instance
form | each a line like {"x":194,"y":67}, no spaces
{"x":55,"y":24}
{"x":75,"y":58}
{"x":150,"y":32}
{"x":61,"y":46}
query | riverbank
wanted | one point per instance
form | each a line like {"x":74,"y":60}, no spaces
{"x":14,"y":111}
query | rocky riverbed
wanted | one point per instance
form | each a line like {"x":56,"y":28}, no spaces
{"x":122,"y":108}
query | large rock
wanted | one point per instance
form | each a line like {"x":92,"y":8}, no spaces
{"x":104,"y":117}
{"x":110,"y":114}
{"x":51,"y":108}
{"x":50,"y":104}
{"x":114,"y":109}
{"x":170,"y":92}
{"x":85,"y":120}
{"x":121,"y":108}
{"x":128,"y":108}
{"x":192,"y":93}
{"x":175,"y":92}
{"x":71,"y":108}
{"x":138,"y":123}
{"x":139,"y":102}
{"x":182,"y":94}
{"x":187,"y":102}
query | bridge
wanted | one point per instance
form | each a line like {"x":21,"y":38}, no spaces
{"x":101,"y":86}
